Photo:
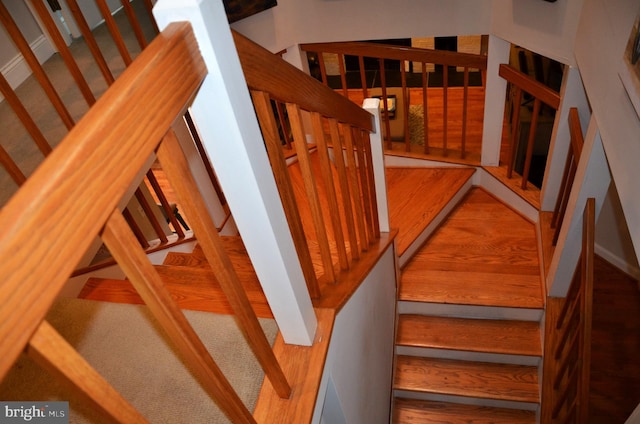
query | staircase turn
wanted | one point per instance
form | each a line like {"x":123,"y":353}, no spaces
{"x":470,"y":302}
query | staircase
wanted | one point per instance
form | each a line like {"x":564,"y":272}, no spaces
{"x":470,"y":302}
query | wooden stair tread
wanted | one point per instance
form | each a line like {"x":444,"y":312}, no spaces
{"x":196,"y":259}
{"x":192,"y":288}
{"x":413,"y":206}
{"x":412,"y":411}
{"x":474,"y":335}
{"x":472,"y":260}
{"x":470,"y":379}
{"x":465,"y":288}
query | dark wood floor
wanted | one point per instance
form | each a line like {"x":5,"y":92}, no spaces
{"x":615,"y":368}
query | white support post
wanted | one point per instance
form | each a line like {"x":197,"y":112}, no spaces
{"x":377,"y":152}
{"x":226,"y":121}
{"x":495,"y":91}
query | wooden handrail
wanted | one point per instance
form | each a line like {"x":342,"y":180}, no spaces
{"x":425,"y":57}
{"x":285,"y":83}
{"x":567,"y":350}
{"x":83,"y":180}
{"x":541,"y":94}
{"x":571,"y":165}
{"x":383,"y":51}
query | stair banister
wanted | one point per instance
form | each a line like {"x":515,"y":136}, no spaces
{"x":229,"y":136}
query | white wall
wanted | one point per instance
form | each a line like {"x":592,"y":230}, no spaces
{"x":537,"y":25}
{"x":602,"y":35}
{"x":356,"y":383}
{"x":304,"y":21}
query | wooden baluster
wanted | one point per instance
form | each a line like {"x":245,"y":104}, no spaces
{"x":425,"y":107}
{"x":587,"y":264}
{"x":28,"y":122}
{"x":323,"y":68}
{"x":385,"y":105}
{"x":405,"y":101}
{"x":530,"y":142}
{"x":368,"y":156}
{"x":148,"y":4}
{"x":330,"y":189}
{"x":356,"y":196}
{"x":64,"y":51}
{"x":177,"y":168}
{"x":343,"y":178}
{"x":91,"y":41}
{"x":24,"y":48}
{"x":135,"y":23}
{"x":515,"y":126}
{"x":363,"y":77}
{"x":12,"y":169}
{"x":343,"y":76}
{"x":151,"y":217}
{"x":465,"y":106}
{"x":114,"y":31}
{"x":52,"y":352}
{"x":365,"y":184}
{"x":120,"y":241}
{"x":283,"y":126}
{"x":554,"y":305}
{"x":155,"y":186}
{"x":262,"y":104}
{"x":445,"y":108}
{"x":135,"y":228}
{"x":304,"y":159}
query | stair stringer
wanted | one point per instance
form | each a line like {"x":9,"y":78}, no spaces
{"x":491,"y":184}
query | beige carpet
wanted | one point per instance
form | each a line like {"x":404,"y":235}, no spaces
{"x":124,"y":345}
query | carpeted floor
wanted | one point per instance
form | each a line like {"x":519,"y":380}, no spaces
{"x":125,"y":345}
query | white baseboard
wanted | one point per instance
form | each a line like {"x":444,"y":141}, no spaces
{"x":16,"y":71}
{"x":618,"y":262}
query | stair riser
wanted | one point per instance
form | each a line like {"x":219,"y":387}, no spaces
{"x":419,"y":241}
{"x":468,"y":356}
{"x":466,"y":400}
{"x":469,"y":311}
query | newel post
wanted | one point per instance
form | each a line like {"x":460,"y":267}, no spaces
{"x":226,"y":122}
{"x":377,"y":152}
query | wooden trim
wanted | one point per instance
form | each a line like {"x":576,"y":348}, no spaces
{"x":284,"y":82}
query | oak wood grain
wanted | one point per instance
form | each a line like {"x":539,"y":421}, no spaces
{"x":416,"y":411}
{"x":465,"y":378}
{"x":474,"y":335}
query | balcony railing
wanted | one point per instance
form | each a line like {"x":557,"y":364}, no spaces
{"x":438,"y":135}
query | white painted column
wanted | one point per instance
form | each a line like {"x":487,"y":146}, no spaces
{"x":377,"y":153}
{"x":225,"y":118}
{"x":592,"y":180}
{"x":572,"y":95}
{"x":494,"y":101}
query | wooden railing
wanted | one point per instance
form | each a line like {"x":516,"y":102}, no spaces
{"x":567,"y":350}
{"x":573,"y":156}
{"x":45,"y":140}
{"x":61,"y":205}
{"x":521,"y":84}
{"x":397,"y":99}
{"x":336,"y":169}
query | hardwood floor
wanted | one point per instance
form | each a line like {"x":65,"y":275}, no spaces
{"x":615,"y":344}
